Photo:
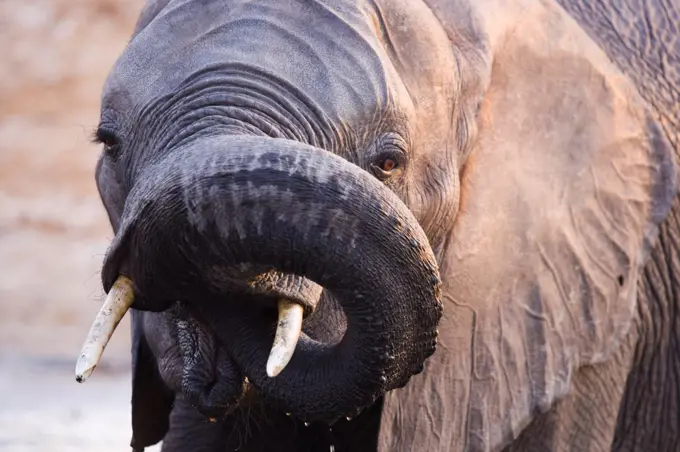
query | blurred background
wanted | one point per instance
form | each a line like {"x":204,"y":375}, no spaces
{"x":54,"y":56}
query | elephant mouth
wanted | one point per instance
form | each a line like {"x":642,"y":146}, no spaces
{"x":248,"y":230}
{"x":208,"y":375}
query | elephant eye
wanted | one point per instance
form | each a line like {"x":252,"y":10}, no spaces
{"x":386,"y":166}
{"x":387,"y":156}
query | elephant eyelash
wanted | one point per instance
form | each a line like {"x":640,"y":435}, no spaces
{"x":108,"y":138}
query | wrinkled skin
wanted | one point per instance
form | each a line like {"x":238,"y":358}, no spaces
{"x":522,"y":153}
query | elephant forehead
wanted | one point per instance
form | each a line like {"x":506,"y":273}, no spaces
{"x":329,"y":52}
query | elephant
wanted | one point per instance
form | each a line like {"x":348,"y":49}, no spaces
{"x":396,"y":225}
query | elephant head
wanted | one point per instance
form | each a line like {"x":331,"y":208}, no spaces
{"x":363,"y":164}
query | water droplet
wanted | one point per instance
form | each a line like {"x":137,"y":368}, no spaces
{"x":306,"y":424}
{"x":349,"y":418}
{"x":288,"y":414}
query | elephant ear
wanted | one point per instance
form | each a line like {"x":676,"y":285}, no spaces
{"x":561,"y":200}
{"x":152,"y":401}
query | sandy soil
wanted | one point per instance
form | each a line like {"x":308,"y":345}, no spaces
{"x":44,"y":410}
{"x":54,"y":55}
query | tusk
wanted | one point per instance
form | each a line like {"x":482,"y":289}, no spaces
{"x":287,"y":334}
{"x":118,"y":301}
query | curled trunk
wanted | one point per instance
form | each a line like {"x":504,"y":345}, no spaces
{"x":226,"y":206}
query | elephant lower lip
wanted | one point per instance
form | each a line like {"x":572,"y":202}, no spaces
{"x":210,"y":379}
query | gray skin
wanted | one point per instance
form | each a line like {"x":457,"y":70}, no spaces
{"x":510,"y":161}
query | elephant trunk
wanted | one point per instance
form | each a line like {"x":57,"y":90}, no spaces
{"x":228,"y":205}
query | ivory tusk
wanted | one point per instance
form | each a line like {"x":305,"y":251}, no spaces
{"x":118,"y":301}
{"x":287,"y":334}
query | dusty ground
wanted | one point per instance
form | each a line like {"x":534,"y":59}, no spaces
{"x":54,"y":55}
